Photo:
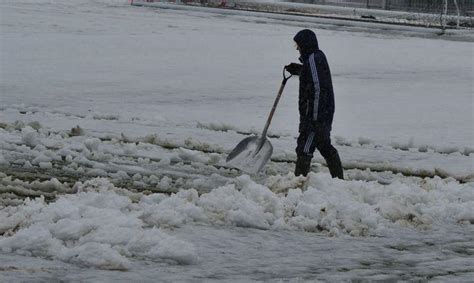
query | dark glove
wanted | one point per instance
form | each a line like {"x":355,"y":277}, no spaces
{"x":294,"y":69}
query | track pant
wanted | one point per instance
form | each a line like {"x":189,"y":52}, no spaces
{"x":320,"y":138}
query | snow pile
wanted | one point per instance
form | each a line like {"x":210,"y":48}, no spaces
{"x":197,"y":156}
{"x":99,"y":226}
{"x":321,"y":204}
{"x":49,"y":188}
{"x":104,"y":226}
{"x":220,"y":127}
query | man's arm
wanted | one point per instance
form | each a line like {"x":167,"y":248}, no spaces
{"x":294,"y":69}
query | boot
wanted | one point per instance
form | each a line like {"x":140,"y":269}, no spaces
{"x":335,"y":166}
{"x":303,"y":165}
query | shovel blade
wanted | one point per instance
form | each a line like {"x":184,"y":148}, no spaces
{"x":247,"y":157}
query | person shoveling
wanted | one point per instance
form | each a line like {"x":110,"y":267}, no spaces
{"x":316,"y":109}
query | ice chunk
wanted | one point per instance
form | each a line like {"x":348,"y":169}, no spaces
{"x":45,"y":165}
{"x":3,"y":161}
{"x":41,"y":158}
{"x":29,"y":136}
{"x":92,"y":144}
{"x":96,"y":255}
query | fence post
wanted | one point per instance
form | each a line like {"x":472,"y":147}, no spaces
{"x":444,"y":12}
{"x":457,"y":10}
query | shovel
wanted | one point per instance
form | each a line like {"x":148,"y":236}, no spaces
{"x":252,"y":153}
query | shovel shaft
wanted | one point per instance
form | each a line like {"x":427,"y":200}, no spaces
{"x":270,"y":116}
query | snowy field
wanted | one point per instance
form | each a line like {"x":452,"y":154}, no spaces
{"x":115,"y":122}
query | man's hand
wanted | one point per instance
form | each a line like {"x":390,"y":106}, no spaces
{"x":294,"y":69}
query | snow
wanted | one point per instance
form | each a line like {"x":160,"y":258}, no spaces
{"x":94,"y":227}
{"x":116,"y":121}
{"x":104,"y":226}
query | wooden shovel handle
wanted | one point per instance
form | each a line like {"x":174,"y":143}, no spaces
{"x":270,"y":116}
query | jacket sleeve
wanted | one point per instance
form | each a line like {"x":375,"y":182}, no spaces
{"x":316,"y":87}
{"x":327,"y":93}
{"x":306,"y":96}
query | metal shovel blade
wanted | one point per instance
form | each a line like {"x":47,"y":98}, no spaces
{"x":247,"y":157}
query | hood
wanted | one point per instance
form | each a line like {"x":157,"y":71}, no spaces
{"x":307,"y":41}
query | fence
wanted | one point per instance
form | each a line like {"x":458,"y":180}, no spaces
{"x":466,"y":7}
{"x":425,"y":13}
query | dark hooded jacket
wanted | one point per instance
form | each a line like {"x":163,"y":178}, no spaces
{"x":316,"y":95}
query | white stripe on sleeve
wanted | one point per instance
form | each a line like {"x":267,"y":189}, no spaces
{"x":317,"y":90}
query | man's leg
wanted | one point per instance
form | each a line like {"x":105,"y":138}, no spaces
{"x":304,"y":154}
{"x":330,"y":154}
{"x":334,"y":164}
{"x":319,"y":138}
{"x":303,"y":165}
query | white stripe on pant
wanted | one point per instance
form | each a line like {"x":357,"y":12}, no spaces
{"x":309,"y":142}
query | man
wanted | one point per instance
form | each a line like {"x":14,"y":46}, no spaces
{"x":316,"y":106}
